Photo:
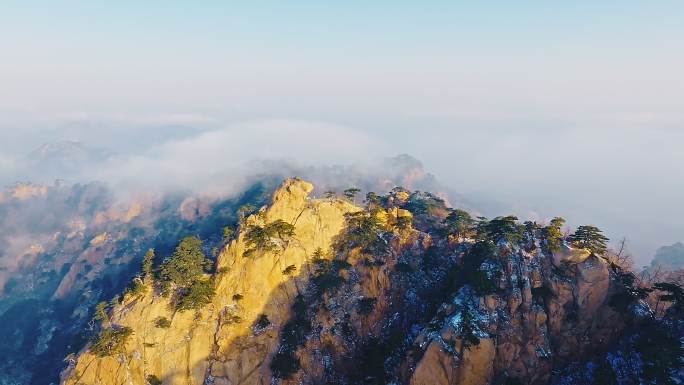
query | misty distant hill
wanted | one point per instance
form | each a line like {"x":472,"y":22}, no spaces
{"x":66,"y":157}
{"x":669,"y":257}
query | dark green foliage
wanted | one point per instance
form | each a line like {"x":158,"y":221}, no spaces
{"x":232,"y":319}
{"x":227,"y":233}
{"x":499,"y":229}
{"x":135,"y":288}
{"x":326,"y":275}
{"x":280,"y":228}
{"x":148,"y":263}
{"x":153,"y":380}
{"x":661,"y":352}
{"x":404,"y":222}
{"x":330,"y":194}
{"x":262,"y":322}
{"x":628,"y":293}
{"x":318,"y":254}
{"x":292,"y":336}
{"x":399,"y":190}
{"x":186,"y":265}
{"x":372,"y":199}
{"x":659,"y":357}
{"x":364,"y":230}
{"x":477,"y":254}
{"x":481,"y":282}
{"x":101,"y":313}
{"x":529,"y":233}
{"x":590,"y":238}
{"x":261,"y":239}
{"x":111,"y":341}
{"x":199,"y":294}
{"x":291,"y":269}
{"x":162,"y":322}
{"x":338,"y":264}
{"x":425,"y":203}
{"x":469,"y":273}
{"x":160,"y":229}
{"x":351,"y":192}
{"x":468,"y":330}
{"x":675,"y":294}
{"x":295,"y":330}
{"x":245,"y":211}
{"x":552,"y":235}
{"x":327,"y":283}
{"x":459,"y":223}
{"x":366,"y":305}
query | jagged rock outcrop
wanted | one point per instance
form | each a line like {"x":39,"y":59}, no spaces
{"x":539,"y":317}
{"x":219,"y":341}
{"x":385,"y":293}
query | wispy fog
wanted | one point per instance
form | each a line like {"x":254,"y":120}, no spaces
{"x":570,"y":109}
{"x":627,"y":181}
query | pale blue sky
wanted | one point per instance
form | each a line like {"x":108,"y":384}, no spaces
{"x":573,"y":108}
{"x":241,"y":58}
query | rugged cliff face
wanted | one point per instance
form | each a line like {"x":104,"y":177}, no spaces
{"x":218,"y":341}
{"x":396,"y":291}
{"x":65,"y":247}
{"x":540,"y":316}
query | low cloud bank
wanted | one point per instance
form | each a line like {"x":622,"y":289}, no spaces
{"x":622,"y":180}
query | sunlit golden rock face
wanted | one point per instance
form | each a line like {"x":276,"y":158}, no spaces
{"x":23,"y":191}
{"x":567,"y":253}
{"x":218,"y":342}
{"x":402,"y":287}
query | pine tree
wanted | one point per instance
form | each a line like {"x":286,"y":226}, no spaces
{"x":111,"y":341}
{"x":200,"y":293}
{"x":187,"y":263}
{"x":280,"y":228}
{"x":590,"y":238}
{"x":499,"y":229}
{"x":552,"y":234}
{"x":372,"y":199}
{"x":459,"y":223}
{"x":675,"y":294}
{"x":101,"y":312}
{"x":330,"y":194}
{"x":351,"y":192}
{"x":244,"y":211}
{"x":148,"y":263}
{"x":227,"y":233}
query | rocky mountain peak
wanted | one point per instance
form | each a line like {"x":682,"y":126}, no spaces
{"x":401,"y":290}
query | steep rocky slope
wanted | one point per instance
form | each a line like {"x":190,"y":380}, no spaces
{"x":65,"y":247}
{"x":401,"y":290}
{"x":194,"y":346}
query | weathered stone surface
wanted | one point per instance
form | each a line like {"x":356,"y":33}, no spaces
{"x":208,"y":343}
{"x":540,"y":312}
{"x":528,"y":335}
